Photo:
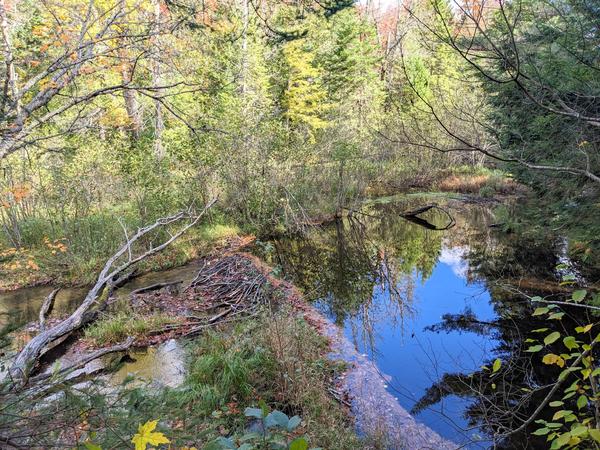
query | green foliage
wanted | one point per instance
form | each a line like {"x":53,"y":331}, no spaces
{"x":116,"y":327}
{"x":270,"y":361}
{"x":575,"y":427}
{"x":555,"y":44}
{"x":225,"y":370}
{"x":274,"y":431}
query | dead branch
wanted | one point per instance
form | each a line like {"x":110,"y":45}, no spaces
{"x":412,"y":216}
{"x":64,"y":372}
{"x":416,"y":212}
{"x":46,"y":308}
{"x":232,"y":287}
{"x":26,"y":361}
{"x":154,"y":287}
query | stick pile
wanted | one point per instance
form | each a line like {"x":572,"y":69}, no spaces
{"x":229,"y":287}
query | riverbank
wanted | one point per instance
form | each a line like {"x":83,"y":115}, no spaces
{"x":54,"y":264}
{"x":281,"y":356}
{"x":273,"y":357}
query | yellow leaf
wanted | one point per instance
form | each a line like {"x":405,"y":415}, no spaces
{"x":146,"y":435}
{"x":551,"y":358}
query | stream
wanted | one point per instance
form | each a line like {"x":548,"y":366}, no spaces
{"x":422,"y":306}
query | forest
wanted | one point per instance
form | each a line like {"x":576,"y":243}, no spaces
{"x":294,"y":224}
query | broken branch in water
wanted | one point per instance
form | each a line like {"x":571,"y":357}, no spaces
{"x":154,"y":287}
{"x":46,"y":308}
{"x":412,"y":216}
{"x":84,"y":360}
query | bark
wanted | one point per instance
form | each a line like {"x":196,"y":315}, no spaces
{"x":130,"y":96}
{"x":159,"y":124}
{"x":46,"y":308}
{"x":11,"y":92}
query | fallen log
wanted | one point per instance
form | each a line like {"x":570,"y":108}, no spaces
{"x":86,"y":359}
{"x":412,"y":216}
{"x":416,"y":212}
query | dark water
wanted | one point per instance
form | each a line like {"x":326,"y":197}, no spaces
{"x":430,"y":307}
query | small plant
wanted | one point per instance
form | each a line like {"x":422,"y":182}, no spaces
{"x":274,"y":430}
{"x":147,"y":436}
{"x":116,"y":328}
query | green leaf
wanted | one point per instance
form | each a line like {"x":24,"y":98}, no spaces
{"x":541,"y":431}
{"x":562,"y":440}
{"x":552,"y":337}
{"x":496,"y":366}
{"x":556,"y":403}
{"x":582,"y":401}
{"x":595,"y":434}
{"x":91,"y":446}
{"x":225,"y":443}
{"x":534,"y":348}
{"x":579,"y":295}
{"x":277,"y":419}
{"x":579,"y":430}
{"x":560,"y":414}
{"x":570,"y":342}
{"x":556,"y":316}
{"x":540,"y":311}
{"x":584,"y":329}
{"x":294,"y":423}
{"x":254,"y":412}
{"x":299,"y":444}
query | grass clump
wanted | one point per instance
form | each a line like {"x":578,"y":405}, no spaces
{"x":227,"y":369}
{"x":115,"y":328}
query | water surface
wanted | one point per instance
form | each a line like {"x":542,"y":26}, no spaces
{"x":422,"y":302}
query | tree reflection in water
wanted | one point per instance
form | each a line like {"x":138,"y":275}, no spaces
{"x":364,"y":271}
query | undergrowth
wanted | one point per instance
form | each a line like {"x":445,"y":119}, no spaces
{"x":273,"y":362}
{"x":57,"y":259}
{"x":117,"y":327}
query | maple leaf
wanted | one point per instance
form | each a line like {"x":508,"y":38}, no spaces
{"x":146,"y":435}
